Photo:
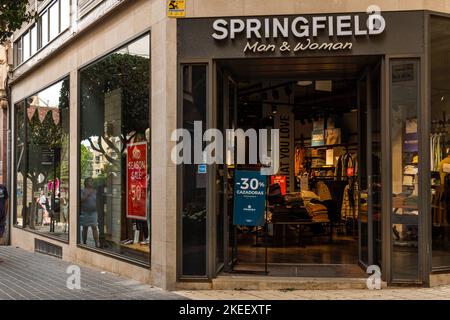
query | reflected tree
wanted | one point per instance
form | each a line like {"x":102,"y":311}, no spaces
{"x":124,"y":78}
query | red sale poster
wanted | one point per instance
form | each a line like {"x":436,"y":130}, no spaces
{"x":281,"y":180}
{"x":137,"y":181}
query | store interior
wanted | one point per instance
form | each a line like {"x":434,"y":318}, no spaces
{"x":315,"y":214}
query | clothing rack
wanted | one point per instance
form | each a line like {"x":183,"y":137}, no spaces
{"x":329,"y":146}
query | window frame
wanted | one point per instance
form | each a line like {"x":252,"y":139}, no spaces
{"x":79,"y":244}
{"x":19,"y":60}
{"x":14,"y":163}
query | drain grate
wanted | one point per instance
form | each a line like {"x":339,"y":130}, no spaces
{"x":45,"y":247}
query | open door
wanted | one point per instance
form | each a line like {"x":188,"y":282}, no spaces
{"x":369,"y":218}
{"x":225,"y":119}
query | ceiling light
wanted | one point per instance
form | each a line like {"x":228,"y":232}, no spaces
{"x":274,"y":109}
{"x":324,"y":85}
{"x":304,"y":83}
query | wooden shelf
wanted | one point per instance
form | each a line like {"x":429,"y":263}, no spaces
{"x":329,"y":146}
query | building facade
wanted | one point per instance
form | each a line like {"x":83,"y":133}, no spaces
{"x":4,"y":68}
{"x":360,"y":98}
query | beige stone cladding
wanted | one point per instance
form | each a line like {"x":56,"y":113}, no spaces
{"x":125,"y":23}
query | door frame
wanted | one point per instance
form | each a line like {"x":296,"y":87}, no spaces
{"x":228,"y":79}
{"x":424,"y":227}
{"x":368,"y":74}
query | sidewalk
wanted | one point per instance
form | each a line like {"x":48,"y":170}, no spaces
{"x":437,"y":293}
{"x":31,"y":276}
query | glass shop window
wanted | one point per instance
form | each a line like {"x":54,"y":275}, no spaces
{"x":42,"y":162}
{"x":114,"y":213}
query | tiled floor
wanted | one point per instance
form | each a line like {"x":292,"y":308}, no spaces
{"x":30,"y":276}
{"x":438,"y":293}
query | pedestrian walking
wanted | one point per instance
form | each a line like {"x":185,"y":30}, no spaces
{"x":3,"y":210}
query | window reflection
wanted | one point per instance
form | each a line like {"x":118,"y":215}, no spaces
{"x":115,"y":152}
{"x":194,"y":183}
{"x":440,"y":141}
{"x":405,"y":168}
{"x":42,"y":160}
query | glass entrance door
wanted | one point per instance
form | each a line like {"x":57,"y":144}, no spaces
{"x":369,"y":218}
{"x":225,"y":119}
{"x":405,"y":168}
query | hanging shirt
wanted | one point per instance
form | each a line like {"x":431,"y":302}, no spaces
{"x":345,"y":162}
{"x":350,"y":202}
{"x":444,"y":166}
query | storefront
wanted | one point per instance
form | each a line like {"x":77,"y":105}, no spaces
{"x":360,"y":100}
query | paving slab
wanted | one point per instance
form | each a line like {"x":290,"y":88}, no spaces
{"x":33,"y":276}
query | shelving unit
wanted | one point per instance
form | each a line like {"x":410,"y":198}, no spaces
{"x":330,"y":146}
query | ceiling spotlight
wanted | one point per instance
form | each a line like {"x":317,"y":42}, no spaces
{"x":275,"y":95}
{"x":304,"y":83}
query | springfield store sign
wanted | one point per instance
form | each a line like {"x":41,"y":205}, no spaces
{"x":264,"y":35}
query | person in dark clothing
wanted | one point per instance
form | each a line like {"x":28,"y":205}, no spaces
{"x":3,"y":209}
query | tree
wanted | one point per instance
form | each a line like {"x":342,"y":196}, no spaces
{"x":13,"y":13}
{"x":127,"y":76}
{"x":86,"y":158}
{"x":44,"y":137}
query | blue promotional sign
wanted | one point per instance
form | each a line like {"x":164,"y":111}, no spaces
{"x":249,"y":198}
{"x":202,"y":169}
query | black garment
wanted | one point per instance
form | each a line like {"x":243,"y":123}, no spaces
{"x":142,"y":226}
{"x":446,"y":195}
{"x":3,"y":199}
{"x":333,"y":213}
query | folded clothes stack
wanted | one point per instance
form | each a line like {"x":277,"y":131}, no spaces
{"x":411,"y":201}
{"x":318,"y":212}
{"x":294,"y":199}
{"x":309,"y":195}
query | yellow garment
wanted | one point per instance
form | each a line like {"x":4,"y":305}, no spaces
{"x":441,"y":166}
{"x":322,"y":191}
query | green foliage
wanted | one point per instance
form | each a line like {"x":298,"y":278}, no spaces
{"x":127,"y":77}
{"x":86,"y":158}
{"x":13,"y":13}
{"x":130,"y":74}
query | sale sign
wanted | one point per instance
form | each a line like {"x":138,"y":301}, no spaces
{"x":281,"y":180}
{"x":137,"y":181}
{"x":249,"y":198}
